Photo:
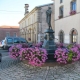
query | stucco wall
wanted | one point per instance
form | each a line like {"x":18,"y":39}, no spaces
{"x":37,"y":22}
{"x":67,"y":23}
{"x":66,"y":6}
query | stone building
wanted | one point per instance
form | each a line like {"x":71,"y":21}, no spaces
{"x":67,"y":20}
{"x":33,"y":24}
{"x":8,"y":31}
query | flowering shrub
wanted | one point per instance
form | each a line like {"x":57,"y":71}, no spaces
{"x":24,"y":45}
{"x":61,"y":55}
{"x":14,"y":51}
{"x":60,"y":45}
{"x":75,"y":51}
{"x":73,"y":12}
{"x":39,"y":44}
{"x":25,"y":53}
{"x":35,"y":56}
{"x":70,"y":46}
{"x":18,"y":46}
{"x":38,"y":57}
{"x":68,"y":54}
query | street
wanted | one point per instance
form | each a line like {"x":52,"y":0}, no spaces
{"x":11,"y":69}
{"x":4,"y":52}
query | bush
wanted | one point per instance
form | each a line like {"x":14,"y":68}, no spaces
{"x":60,"y":45}
{"x":68,"y":54}
{"x":25,"y":53}
{"x":25,"y":45}
{"x":38,"y":57}
{"x":39,"y":45}
{"x":61,"y":55}
{"x":35,"y":56}
{"x":75,"y":52}
{"x":14,"y":51}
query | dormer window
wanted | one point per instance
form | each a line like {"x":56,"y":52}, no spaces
{"x":61,"y":1}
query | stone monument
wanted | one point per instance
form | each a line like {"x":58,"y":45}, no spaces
{"x":49,"y":43}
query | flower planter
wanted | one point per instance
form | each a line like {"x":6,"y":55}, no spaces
{"x":60,"y":17}
{"x":38,"y":56}
{"x":72,"y":12}
{"x":48,"y":63}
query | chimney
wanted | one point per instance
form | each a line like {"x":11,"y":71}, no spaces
{"x":26,"y":9}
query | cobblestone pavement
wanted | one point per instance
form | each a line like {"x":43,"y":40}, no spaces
{"x":15,"y":70}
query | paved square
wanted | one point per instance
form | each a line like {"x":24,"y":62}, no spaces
{"x":15,"y":70}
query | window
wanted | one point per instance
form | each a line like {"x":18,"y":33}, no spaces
{"x":61,"y":37}
{"x":23,"y":40}
{"x":73,"y":36}
{"x":61,"y":1}
{"x":7,"y":34}
{"x":34,"y":18}
{"x":29,"y":21}
{"x":10,"y":40}
{"x":61,"y":12}
{"x":73,"y":5}
{"x":15,"y":34}
{"x":16,"y":40}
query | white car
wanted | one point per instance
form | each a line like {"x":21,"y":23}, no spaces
{"x":2,"y":44}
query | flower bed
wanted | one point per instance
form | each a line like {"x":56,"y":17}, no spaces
{"x":36,"y":56}
{"x":14,"y":51}
{"x":67,"y":54}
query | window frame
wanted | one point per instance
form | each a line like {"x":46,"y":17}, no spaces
{"x":73,"y":36}
{"x":73,"y":5}
{"x":14,"y":34}
{"x":16,"y":40}
{"x":61,"y":1}
{"x":61,"y":13}
{"x":61,"y":36}
{"x":7,"y":34}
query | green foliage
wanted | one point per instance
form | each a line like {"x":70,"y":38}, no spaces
{"x":69,"y":46}
{"x":70,"y":56}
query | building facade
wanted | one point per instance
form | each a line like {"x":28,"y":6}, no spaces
{"x":33,"y":25}
{"x":67,"y":21}
{"x":8,"y":31}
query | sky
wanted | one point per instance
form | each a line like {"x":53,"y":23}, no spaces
{"x":12,"y":11}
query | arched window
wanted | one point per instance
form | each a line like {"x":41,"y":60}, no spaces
{"x":34,"y":35}
{"x":61,"y":37}
{"x":73,"y":36}
{"x":30,"y":33}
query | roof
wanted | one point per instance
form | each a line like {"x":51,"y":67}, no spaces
{"x":5,"y":26}
{"x":35,"y":8}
